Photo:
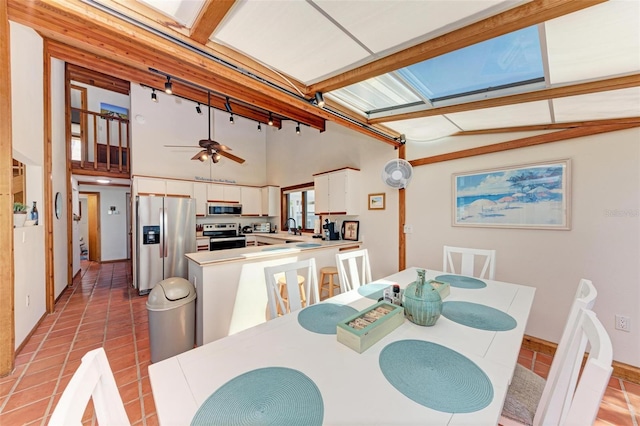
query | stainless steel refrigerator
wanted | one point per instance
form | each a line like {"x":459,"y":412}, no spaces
{"x":165,"y":232}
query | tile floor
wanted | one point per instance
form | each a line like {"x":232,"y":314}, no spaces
{"x":101,"y":309}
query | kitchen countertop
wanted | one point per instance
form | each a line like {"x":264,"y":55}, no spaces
{"x":300,"y":243}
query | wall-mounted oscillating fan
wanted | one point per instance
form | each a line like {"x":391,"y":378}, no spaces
{"x":397,"y":173}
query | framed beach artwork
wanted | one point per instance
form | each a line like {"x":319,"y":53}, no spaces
{"x":535,"y":196}
{"x":114,"y":111}
{"x":376,"y":201}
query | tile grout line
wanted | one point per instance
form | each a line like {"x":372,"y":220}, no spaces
{"x":632,"y":411}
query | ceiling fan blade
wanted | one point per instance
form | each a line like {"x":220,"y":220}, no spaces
{"x":231,"y":157}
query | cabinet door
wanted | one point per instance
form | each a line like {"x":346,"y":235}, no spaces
{"x":151,"y":186}
{"x":270,"y":201}
{"x":337,"y":192}
{"x":231,"y":193}
{"x":321,"y":188}
{"x":215,"y":192}
{"x":251,"y":199}
{"x":200,"y":194}
{"x":180,"y":188}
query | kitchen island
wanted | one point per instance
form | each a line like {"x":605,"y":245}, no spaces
{"x":230,"y":285}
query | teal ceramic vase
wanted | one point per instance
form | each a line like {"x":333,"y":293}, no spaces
{"x":422,"y":303}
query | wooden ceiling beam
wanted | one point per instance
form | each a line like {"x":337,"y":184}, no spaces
{"x":604,"y":85}
{"x":553,"y":126}
{"x":560,"y":135}
{"x":212,"y":13}
{"x":532,"y":13}
{"x":98,"y":79}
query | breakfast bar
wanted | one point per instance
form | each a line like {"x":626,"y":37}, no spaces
{"x":230,"y":285}
{"x":453,"y":373}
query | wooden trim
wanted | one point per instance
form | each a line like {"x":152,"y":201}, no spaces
{"x":211,"y":15}
{"x":67,"y":118}
{"x":604,"y":85}
{"x":112,"y":261}
{"x":402,"y":218}
{"x":329,"y":213}
{"x":7,"y":320}
{"x":349,"y":248}
{"x":621,"y":370}
{"x":524,"y":142}
{"x":98,"y":79}
{"x":294,"y":187}
{"x":110,"y":185}
{"x":336,"y":170}
{"x":542,"y":127}
{"x":47,"y":208}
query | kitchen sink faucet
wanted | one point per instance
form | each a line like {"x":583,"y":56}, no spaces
{"x":294,"y":226}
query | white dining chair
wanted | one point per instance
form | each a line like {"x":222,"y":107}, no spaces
{"x":92,"y":380}
{"x":467,"y":261}
{"x":291,"y":279}
{"x":532,"y":400}
{"x":354,"y":269}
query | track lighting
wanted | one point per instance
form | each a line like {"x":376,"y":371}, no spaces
{"x":168,"y":86}
{"x":319,"y":100}
{"x":231,"y":119}
{"x":154,"y":97}
{"x":298,"y":128}
{"x":259,"y":127}
{"x":270,"y":120}
{"x":227,"y":105}
{"x":198,"y":110}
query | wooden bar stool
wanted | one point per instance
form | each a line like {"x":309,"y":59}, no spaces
{"x":282,"y":286}
{"x":330,"y":271}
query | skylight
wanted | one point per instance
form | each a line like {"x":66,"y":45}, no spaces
{"x":505,"y":62}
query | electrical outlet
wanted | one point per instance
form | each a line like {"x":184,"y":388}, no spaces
{"x":408,"y":229}
{"x":623,"y":323}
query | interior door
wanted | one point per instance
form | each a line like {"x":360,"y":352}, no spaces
{"x":93,"y":204}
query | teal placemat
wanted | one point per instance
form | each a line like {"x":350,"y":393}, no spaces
{"x":478,"y":316}
{"x":435,"y":376}
{"x":273,"y":395}
{"x":323,"y":318}
{"x":461,"y":281}
{"x":372,"y":291}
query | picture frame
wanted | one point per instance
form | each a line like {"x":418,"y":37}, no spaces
{"x":114,"y":111}
{"x":528,"y":196}
{"x":377,"y":201}
{"x":351,"y":230}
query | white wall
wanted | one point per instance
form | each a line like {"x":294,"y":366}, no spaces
{"x":113,"y":227}
{"x":27,"y":126}
{"x":293,"y":159}
{"x":174,"y":121}
{"x":59,"y":176}
{"x":599,"y":246}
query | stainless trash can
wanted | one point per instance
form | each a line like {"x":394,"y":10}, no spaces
{"x":172,"y":310}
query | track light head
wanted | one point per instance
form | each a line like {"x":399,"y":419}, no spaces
{"x":298,"y":128}
{"x":259,"y":127}
{"x":198,"y":109}
{"x":154,"y":97}
{"x":270,"y":119}
{"x":231,"y":119}
{"x":168,"y":86}
{"x":319,"y":100}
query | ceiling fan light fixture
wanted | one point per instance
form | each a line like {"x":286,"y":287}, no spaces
{"x":319,"y":99}
{"x":168,"y":86}
{"x":154,"y":97}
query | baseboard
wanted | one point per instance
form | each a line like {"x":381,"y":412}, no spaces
{"x":113,"y":261}
{"x":620,"y":370}
{"x":26,"y":339}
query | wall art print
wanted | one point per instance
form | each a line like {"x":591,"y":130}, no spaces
{"x":536,"y":196}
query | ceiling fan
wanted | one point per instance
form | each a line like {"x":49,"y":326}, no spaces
{"x":211,"y":149}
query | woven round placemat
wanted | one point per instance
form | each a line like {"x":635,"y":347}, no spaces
{"x":435,"y":376}
{"x":461,"y":281}
{"x":478,"y":316}
{"x":266,"y":396}
{"x":372,"y":291}
{"x":323,"y":318}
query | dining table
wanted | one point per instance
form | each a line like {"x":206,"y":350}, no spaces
{"x":293,"y":370}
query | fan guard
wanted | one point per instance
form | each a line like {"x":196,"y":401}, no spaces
{"x":397,"y":173}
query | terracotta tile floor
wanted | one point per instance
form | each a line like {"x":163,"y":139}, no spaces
{"x":103,"y":310}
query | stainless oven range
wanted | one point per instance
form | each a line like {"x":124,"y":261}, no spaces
{"x":223,"y":236}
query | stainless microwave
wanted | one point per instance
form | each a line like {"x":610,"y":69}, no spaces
{"x":215,"y":209}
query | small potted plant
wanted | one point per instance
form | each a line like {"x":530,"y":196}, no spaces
{"x":19,"y":214}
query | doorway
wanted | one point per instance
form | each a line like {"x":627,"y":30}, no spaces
{"x":90,"y":226}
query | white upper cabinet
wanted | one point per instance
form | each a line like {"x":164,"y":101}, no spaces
{"x":147,"y":186}
{"x":200,"y":194}
{"x":251,"y":199}
{"x":180,"y":188}
{"x":338,"y":192}
{"x":270,"y":201}
{"x":226,"y":193}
